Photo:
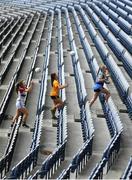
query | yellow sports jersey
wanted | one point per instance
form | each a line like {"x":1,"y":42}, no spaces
{"x":55,"y":89}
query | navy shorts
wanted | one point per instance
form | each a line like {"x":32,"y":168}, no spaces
{"x":97,"y":87}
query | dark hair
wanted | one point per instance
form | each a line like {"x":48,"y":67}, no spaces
{"x":53,"y":77}
{"x":18,"y":84}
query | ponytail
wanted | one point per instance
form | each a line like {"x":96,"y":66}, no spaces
{"x":20,"y":83}
{"x":53,"y":77}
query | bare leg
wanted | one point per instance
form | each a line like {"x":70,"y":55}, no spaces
{"x":58,"y":103}
{"x":96,"y":94}
{"x":107,"y":93}
{"x":25,"y":114}
{"x":15,"y":118}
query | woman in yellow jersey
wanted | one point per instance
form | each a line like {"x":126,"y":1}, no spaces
{"x":54,"y":94}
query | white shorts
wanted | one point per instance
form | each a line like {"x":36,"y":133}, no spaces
{"x":20,"y":104}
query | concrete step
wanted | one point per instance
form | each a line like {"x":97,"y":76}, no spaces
{"x":22,"y":147}
{"x":63,"y":166}
{"x":74,"y":134}
{"x":48,"y":138}
{"x":3,"y":143}
{"x":95,"y":158}
{"x":100,"y":142}
{"x":72,"y":146}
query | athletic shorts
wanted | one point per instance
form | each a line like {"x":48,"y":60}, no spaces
{"x":97,"y":87}
{"x":54,"y":97}
{"x":20,"y":104}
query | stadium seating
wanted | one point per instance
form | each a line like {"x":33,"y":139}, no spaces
{"x":124,"y":86}
{"x":38,"y":123}
{"x":123,"y":37}
{"x":19,"y":21}
{"x":128,"y":171}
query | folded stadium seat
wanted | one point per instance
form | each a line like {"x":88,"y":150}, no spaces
{"x":122,"y":13}
{"x":123,"y":37}
{"x":129,"y":3}
{"x":113,"y":43}
{"x":111,"y":5}
{"x":125,"y":25}
{"x":94,"y":37}
{"x":121,"y":82}
{"x":102,"y":49}
{"x":13,"y":81}
{"x":117,"y":9}
{"x":128,"y":9}
{"x":120,"y":4}
{"x":110,"y":12}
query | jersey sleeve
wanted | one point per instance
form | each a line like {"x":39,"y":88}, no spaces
{"x":56,"y":84}
{"x":21,"y":89}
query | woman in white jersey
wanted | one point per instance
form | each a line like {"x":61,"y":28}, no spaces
{"x":21,"y":90}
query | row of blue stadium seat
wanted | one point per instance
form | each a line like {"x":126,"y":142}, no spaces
{"x":31,"y":159}
{"x":25,"y":166}
{"x":81,"y":91}
{"x":119,"y":125}
{"x":7,"y":26}
{"x":11,"y":85}
{"x":83,"y":116}
{"x":108,"y":158}
{"x":127,"y":2}
{"x":118,"y":77}
{"x":5,"y":36}
{"x":127,"y":99}
{"x":117,"y":31}
{"x":7,"y":66}
{"x":54,"y":160}
{"x":126,"y":26}
{"x":5,"y":161}
{"x":116,"y":46}
{"x":78,"y":156}
{"x":13,"y":80}
{"x":79,"y":160}
{"x":43,"y":88}
{"x":128,"y":171}
{"x":115,"y":123}
{"x":62,"y":122}
{"x":82,"y":153}
{"x":119,"y":11}
{"x":125,"y":7}
{"x":75,"y":64}
{"x":112,"y":150}
{"x":15,"y":130}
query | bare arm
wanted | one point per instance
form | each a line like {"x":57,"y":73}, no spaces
{"x":29,"y":89}
{"x":62,"y":86}
{"x":101,"y":79}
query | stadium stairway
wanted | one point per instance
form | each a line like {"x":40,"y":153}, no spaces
{"x":123,"y":113}
{"x":28,"y":37}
